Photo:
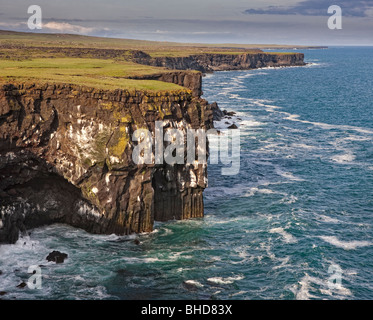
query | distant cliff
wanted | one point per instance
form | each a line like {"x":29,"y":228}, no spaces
{"x":209,"y":63}
{"x":218,"y":62}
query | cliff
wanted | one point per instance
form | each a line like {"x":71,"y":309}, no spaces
{"x":66,"y":149}
{"x":187,"y":79}
{"x":209,"y":62}
{"x":66,"y":156}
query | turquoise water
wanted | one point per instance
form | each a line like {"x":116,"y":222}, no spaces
{"x":303,"y":202}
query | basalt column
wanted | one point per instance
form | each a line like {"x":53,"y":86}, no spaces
{"x":66,"y":156}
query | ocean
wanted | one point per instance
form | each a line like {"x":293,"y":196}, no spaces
{"x":295,"y":223}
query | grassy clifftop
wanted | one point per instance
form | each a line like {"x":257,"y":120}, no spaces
{"x":98,"y":73}
{"x":154,"y":48}
{"x":103,"y":63}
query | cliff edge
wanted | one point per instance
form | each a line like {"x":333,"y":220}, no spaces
{"x":66,"y":136}
{"x":209,"y":62}
{"x":66,"y":156}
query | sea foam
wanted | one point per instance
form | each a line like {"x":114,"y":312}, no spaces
{"x":221,"y":280}
{"x":347,"y":245}
{"x":288,"y":238}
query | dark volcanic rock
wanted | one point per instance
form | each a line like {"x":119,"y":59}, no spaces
{"x":57,"y":257}
{"x":124,"y":272}
{"x":229,"y":113}
{"x":233,"y":126}
{"x":217,"y":113}
{"x":2,"y":293}
{"x":66,"y":157}
{"x":190,"y":286}
{"x":209,"y":62}
{"x":188,"y":79}
{"x":22,"y":285}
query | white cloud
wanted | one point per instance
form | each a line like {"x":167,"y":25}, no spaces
{"x":183,"y":32}
{"x":65,"y":27}
{"x":12,"y":24}
{"x":369,"y":13}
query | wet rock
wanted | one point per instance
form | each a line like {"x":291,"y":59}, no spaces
{"x":217,"y":113}
{"x":229,"y":114}
{"x":2,"y":293}
{"x":190,"y":286}
{"x":233,"y":126}
{"x":57,"y":257}
{"x":1,"y":272}
{"x":22,"y":285}
{"x":136,"y":241}
{"x":124,"y":272}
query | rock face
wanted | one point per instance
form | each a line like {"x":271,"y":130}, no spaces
{"x":66,"y":156}
{"x":66,"y":151}
{"x":218,"y":62}
{"x":217,"y":113}
{"x":57,"y":257}
{"x":188,"y":79}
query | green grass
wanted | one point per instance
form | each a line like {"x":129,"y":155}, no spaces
{"x":193,"y":51}
{"x":283,"y":53}
{"x":104,"y":63}
{"x":98,"y":73}
{"x":154,"y":48}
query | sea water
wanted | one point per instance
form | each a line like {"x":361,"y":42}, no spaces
{"x":300,"y":208}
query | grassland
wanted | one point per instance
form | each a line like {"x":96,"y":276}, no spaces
{"x":98,"y":73}
{"x":152,"y":47}
{"x":104,"y":63}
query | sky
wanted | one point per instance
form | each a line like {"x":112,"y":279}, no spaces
{"x":206,"y":21}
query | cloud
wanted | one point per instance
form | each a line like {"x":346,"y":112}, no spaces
{"x":355,"y":8}
{"x":53,"y":26}
{"x":12,"y":24}
{"x":183,"y":32}
{"x":65,"y":27}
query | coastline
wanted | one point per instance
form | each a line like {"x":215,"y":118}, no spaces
{"x":76,"y":139}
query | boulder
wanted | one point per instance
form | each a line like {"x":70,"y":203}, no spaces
{"x":57,"y":257}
